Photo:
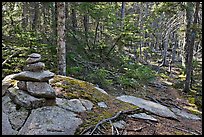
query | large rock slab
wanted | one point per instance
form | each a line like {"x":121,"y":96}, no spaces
{"x":143,"y":116}
{"x":40,"y":89}
{"x":23,"y":99}
{"x":16,"y":116}
{"x":185,"y":114}
{"x":6,"y":126}
{"x":74,"y":105}
{"x":153,"y":107}
{"x":43,"y":76}
{"x":35,"y":67}
{"x":50,"y":120}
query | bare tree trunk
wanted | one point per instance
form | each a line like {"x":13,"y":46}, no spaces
{"x":61,"y":49}
{"x":35,"y":18}
{"x":190,"y":46}
{"x":86,"y":29}
{"x":74,"y":19}
{"x":25,"y":15}
{"x":122,"y":15}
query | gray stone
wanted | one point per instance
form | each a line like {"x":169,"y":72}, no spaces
{"x":35,"y":67}
{"x":18,"y":117}
{"x":101,"y":90}
{"x":87,"y":104}
{"x":22,"y":85}
{"x":74,"y":105}
{"x":43,"y":76}
{"x":34,"y":55}
{"x":33,"y":58}
{"x":6,"y":126}
{"x":143,"y":116}
{"x":6,"y":83}
{"x":153,"y":107}
{"x":7,"y":105}
{"x":185,"y":114}
{"x":120,"y":124}
{"x":40,"y":89}
{"x":50,"y":120}
{"x":23,"y":99}
{"x":102,"y":104}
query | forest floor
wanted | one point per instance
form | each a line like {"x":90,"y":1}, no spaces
{"x":161,"y":90}
{"x":164,"y":126}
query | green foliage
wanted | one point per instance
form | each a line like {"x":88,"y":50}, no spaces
{"x":100,"y":77}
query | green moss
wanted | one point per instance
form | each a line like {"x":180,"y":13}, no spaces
{"x":80,"y":89}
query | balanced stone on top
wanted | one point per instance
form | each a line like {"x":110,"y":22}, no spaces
{"x":33,"y":58}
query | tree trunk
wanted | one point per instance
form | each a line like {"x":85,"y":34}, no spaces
{"x":25,"y":15}
{"x":74,"y":19}
{"x":86,"y":28}
{"x":35,"y":18}
{"x":122,"y":15}
{"x":61,"y":49}
{"x":190,"y":46}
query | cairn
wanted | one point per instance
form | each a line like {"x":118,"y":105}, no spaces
{"x":33,"y":84}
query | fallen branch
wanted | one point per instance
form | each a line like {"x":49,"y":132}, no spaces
{"x":14,"y":54}
{"x":105,"y":120}
{"x":114,"y":117}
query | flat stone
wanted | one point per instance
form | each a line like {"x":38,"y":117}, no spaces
{"x":40,"y":89}
{"x":143,"y":116}
{"x":153,"y":107}
{"x":185,"y":114}
{"x":87,"y":104}
{"x":43,"y":76}
{"x":22,"y":85}
{"x":102,"y":104}
{"x":50,"y":120}
{"x":31,"y":60}
{"x":101,"y":90}
{"x":120,"y":124}
{"x":35,"y":67}
{"x":74,"y":105}
{"x":6,"y":126}
{"x":23,"y":99}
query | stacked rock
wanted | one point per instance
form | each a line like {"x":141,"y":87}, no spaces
{"x":34,"y":81}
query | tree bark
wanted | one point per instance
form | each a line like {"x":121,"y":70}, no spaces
{"x":190,"y":46}
{"x":35,"y":18}
{"x":122,"y":15}
{"x":25,"y":15}
{"x":74,"y":19}
{"x":61,"y":49}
